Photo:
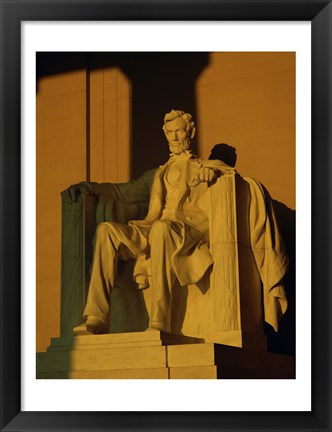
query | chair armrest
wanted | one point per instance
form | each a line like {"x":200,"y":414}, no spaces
{"x":78,"y":228}
{"x":109,"y":202}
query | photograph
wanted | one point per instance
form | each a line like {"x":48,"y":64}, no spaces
{"x":165,"y":215}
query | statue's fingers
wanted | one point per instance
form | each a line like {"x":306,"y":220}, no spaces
{"x":84,"y":190}
{"x":65,"y":197}
{"x":212,"y":175}
{"x":73,"y":194}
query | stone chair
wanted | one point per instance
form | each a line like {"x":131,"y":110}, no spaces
{"x":226,"y":306}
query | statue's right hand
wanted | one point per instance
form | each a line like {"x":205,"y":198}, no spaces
{"x":70,"y":195}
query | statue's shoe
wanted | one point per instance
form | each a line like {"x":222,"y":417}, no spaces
{"x":92,"y":326}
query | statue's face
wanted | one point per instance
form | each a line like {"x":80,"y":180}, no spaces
{"x":177,"y":136}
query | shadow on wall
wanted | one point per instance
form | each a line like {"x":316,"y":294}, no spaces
{"x":224,"y":153}
{"x":284,"y":341}
{"x":159,"y":82}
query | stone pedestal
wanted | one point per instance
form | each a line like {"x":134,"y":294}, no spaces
{"x":155,"y":355}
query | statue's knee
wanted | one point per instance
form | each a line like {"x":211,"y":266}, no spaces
{"x":160,"y":230}
{"x":103,"y":229}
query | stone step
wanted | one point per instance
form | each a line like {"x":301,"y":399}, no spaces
{"x":102,"y":359}
{"x":132,"y":339}
{"x":148,"y":373}
{"x":91,"y":346}
{"x":193,"y":372}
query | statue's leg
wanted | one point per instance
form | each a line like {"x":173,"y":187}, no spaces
{"x":164,"y":240}
{"x":112,"y":242}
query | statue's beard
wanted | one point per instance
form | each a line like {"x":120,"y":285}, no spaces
{"x":180,"y":148}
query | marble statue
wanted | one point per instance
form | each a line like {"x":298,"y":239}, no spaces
{"x":205,"y":225}
{"x":170,"y":243}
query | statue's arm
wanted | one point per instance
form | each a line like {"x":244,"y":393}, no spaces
{"x":132,"y":191}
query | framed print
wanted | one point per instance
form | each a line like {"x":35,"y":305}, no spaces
{"x":30,"y":404}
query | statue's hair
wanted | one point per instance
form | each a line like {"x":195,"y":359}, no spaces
{"x":174,"y":114}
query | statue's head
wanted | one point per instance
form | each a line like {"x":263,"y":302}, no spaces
{"x":179,"y":130}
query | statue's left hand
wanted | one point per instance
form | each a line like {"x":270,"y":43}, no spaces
{"x":204,"y":175}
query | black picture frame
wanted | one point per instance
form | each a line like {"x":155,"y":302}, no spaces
{"x":13,"y":12}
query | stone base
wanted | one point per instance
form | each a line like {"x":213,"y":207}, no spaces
{"x":221,"y":361}
{"x":239,"y":338}
{"x":155,"y":355}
